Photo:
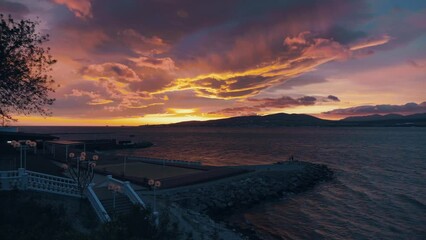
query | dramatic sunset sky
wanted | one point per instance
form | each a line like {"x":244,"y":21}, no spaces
{"x":135,"y":62}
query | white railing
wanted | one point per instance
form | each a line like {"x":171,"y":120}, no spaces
{"x":128,"y":190}
{"x":97,"y":205}
{"x":51,"y":184}
{"x":160,"y":160}
{"x":29,"y":180}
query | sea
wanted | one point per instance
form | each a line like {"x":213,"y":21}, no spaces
{"x":379,"y":190}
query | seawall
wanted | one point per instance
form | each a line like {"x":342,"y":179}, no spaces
{"x":266,"y":182}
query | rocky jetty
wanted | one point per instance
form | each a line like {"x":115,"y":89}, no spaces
{"x":266,"y":182}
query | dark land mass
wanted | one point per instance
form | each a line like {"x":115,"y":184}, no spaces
{"x":301,"y":120}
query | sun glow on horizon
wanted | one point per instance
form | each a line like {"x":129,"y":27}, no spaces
{"x":149,"y":119}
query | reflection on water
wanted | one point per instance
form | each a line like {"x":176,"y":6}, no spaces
{"x":379,"y":192}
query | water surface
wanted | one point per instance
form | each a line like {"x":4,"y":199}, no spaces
{"x":380,"y":186}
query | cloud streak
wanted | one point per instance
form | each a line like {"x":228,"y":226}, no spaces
{"x":81,"y":8}
{"x":299,"y":54}
{"x":408,"y":108}
{"x":262,"y":104}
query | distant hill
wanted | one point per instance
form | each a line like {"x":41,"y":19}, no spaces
{"x":296,"y":120}
{"x":274,"y":120}
{"x":375,"y":117}
{"x":389,"y":120}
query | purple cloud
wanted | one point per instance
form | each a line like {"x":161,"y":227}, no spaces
{"x":408,"y":108}
{"x":261,"y":104}
{"x":13,"y":8}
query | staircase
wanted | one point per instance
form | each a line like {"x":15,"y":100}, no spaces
{"x":106,"y":203}
{"x":123,"y":205}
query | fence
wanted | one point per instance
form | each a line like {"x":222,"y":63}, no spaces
{"x":127,"y":190}
{"x":169,"y":161}
{"x":96,"y":204}
{"x":23,"y":180}
{"x":52,"y":184}
{"x":28,"y":180}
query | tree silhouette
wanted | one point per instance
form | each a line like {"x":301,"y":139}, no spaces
{"x":24,"y":67}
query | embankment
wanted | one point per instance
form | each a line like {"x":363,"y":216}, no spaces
{"x":267,"y":182}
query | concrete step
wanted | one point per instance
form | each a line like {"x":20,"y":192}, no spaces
{"x":123,"y":205}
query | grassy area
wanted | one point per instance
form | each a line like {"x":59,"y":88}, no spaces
{"x":38,"y":216}
{"x":147,"y":170}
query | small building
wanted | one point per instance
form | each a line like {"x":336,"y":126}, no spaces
{"x":59,"y":149}
{"x":7,"y":137}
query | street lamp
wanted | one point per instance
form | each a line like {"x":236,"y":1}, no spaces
{"x":114,"y":188}
{"x":23,"y":150}
{"x":155,"y":185}
{"x":80,"y":168}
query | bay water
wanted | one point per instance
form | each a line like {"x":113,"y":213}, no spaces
{"x":379,"y":191}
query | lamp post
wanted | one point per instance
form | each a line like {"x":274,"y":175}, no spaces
{"x":81,"y":169}
{"x":155,"y":185}
{"x":23,"y":150}
{"x":114,"y":188}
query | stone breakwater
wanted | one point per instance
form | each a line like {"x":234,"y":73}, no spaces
{"x":266,"y":182}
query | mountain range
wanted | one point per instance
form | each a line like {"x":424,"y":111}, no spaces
{"x":295,"y":120}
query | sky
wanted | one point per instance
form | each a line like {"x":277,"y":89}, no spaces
{"x":137,"y":62}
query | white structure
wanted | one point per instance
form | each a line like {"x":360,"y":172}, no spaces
{"x":23,"y":179}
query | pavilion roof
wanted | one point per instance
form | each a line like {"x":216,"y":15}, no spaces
{"x":65,"y":142}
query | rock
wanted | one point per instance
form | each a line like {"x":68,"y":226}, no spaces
{"x":244,"y":192}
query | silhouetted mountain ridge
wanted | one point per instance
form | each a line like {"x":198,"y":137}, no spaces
{"x":375,"y":117}
{"x":295,"y":120}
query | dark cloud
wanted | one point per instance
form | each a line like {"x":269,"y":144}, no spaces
{"x":238,"y":111}
{"x":333,"y":98}
{"x":152,"y":81}
{"x":258,"y":39}
{"x":284,"y":102}
{"x":252,"y":45}
{"x":13,"y":8}
{"x":153,"y":27}
{"x":408,"y":108}
{"x":305,"y":52}
{"x":260,"y":104}
{"x":116,"y":72}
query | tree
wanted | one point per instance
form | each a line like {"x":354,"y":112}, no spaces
{"x":24,"y":67}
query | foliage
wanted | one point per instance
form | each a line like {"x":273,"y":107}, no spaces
{"x":139,"y":224}
{"x":24,"y":218}
{"x":24,"y":64}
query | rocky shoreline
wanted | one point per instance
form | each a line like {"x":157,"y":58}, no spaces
{"x":266,"y":182}
{"x":263,"y":184}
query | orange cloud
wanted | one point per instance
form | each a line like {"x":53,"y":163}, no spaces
{"x":371,"y":42}
{"x":95,"y":99}
{"x":166,"y":64}
{"x":304,"y":54}
{"x":114,"y":80}
{"x":112,"y":71}
{"x":81,"y":8}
